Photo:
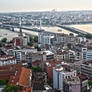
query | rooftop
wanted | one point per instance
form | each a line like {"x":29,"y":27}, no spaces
{"x":73,"y":80}
{"x":25,"y":75}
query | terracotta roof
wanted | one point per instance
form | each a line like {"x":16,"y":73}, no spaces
{"x":82,"y":77}
{"x":24,"y":79}
{"x":9,"y":71}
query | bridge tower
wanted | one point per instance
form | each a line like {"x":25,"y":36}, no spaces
{"x":20,"y":29}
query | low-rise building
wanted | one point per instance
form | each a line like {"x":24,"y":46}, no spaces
{"x":72,"y":84}
{"x":17,"y":75}
{"x":62,"y":55}
{"x":86,"y":69}
{"x":89,"y":54}
{"x":7,"y":60}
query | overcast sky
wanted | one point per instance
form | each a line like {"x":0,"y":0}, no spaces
{"x":42,"y":5}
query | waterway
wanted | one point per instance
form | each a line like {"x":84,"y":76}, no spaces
{"x":9,"y":35}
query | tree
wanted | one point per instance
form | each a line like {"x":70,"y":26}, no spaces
{"x":36,"y":69}
{"x":10,"y":88}
{"x":90,"y":84}
{"x":31,"y":41}
{"x":1,"y":44}
{"x":69,"y":45}
{"x":71,"y":34}
{"x":38,"y":48}
{"x":4,"y":82}
{"x":4,"y":40}
{"x":36,"y":39}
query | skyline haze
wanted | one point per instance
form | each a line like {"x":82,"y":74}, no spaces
{"x":44,"y":5}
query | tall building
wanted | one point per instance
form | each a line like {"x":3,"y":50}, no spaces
{"x":61,"y":72}
{"x":58,"y":78}
{"x":44,"y":38}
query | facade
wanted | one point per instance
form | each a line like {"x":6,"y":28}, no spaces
{"x":24,"y":54}
{"x":84,"y":83}
{"x":62,"y":55}
{"x":44,"y":38}
{"x":81,"y":39}
{"x":89,"y":54}
{"x":58,"y":78}
{"x":7,"y":60}
{"x":24,"y":41}
{"x":61,"y":72}
{"x":84,"y":52}
{"x":49,"y":55}
{"x":72,"y":85}
{"x":59,"y":38}
{"x":16,"y":41}
{"x":82,"y":49}
{"x":71,"y":39}
{"x":20,"y":41}
{"x":86,"y":69}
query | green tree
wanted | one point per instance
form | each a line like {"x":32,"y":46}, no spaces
{"x":4,"y":82}
{"x":1,"y":44}
{"x":38,"y":48}
{"x":69,"y":45}
{"x":71,"y":34}
{"x":10,"y":88}
{"x":36,"y":39}
{"x":36,"y":69}
{"x":30,"y":41}
{"x":4,"y":40}
{"x":90,"y":84}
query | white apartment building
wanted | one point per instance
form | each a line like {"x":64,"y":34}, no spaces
{"x":44,"y":38}
{"x":59,"y":74}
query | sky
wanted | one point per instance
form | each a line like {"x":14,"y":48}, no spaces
{"x":44,"y":5}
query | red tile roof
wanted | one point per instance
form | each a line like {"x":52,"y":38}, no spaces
{"x":9,"y":70}
{"x":82,"y":77}
{"x":24,"y":79}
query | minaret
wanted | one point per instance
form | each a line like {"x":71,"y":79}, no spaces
{"x":20,"y":31}
{"x":40,"y":24}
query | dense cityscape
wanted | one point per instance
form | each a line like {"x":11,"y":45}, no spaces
{"x":45,"y":46}
{"x":48,"y":18}
{"x":47,"y":62}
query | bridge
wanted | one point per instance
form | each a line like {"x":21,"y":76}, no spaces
{"x":12,"y":27}
{"x":72,"y":29}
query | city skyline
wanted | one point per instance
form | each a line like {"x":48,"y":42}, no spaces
{"x":44,"y":5}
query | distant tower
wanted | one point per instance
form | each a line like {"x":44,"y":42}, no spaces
{"x":20,"y":31}
{"x":40,"y":24}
